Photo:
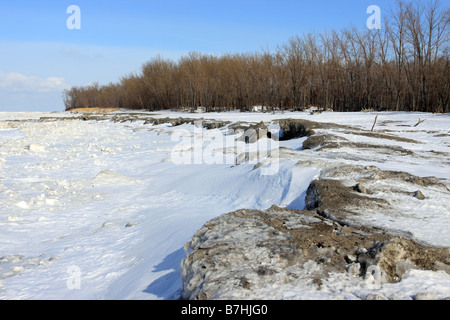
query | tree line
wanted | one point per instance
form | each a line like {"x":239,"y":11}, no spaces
{"x":404,"y":66}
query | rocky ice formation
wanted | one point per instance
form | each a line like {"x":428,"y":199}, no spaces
{"x":251,"y":254}
{"x":275,"y":253}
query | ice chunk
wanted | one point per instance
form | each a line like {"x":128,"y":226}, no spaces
{"x":109,"y":177}
{"x":36,"y":148}
{"x":23,"y":205}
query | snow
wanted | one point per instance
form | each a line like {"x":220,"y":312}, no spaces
{"x":102,"y":210}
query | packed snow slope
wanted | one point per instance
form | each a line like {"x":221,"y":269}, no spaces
{"x":102,"y":209}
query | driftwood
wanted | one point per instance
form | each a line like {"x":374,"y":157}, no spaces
{"x":316,"y":111}
{"x":420,"y":121}
{"x":374,"y":123}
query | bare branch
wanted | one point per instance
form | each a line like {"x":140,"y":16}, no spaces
{"x":374,"y":123}
{"x":420,"y":121}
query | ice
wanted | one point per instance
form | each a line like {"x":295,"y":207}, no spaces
{"x":108,"y":199}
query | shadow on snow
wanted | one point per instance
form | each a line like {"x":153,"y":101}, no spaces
{"x":168,"y":286}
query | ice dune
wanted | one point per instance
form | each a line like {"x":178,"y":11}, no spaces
{"x":107,"y":199}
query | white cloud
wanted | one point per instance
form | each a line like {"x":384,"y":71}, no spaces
{"x":17,"y":82}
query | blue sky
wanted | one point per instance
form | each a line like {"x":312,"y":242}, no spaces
{"x":40,"y":56}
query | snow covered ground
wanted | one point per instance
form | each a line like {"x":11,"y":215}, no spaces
{"x":102,"y":209}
